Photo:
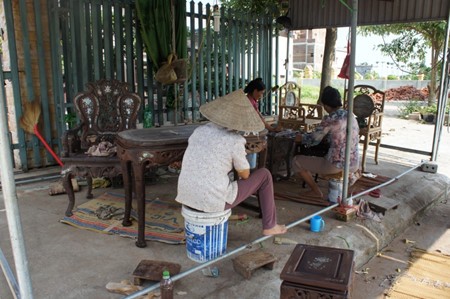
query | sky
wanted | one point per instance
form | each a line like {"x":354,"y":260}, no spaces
{"x":367,"y":52}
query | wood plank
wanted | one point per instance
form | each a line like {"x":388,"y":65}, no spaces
{"x":383,"y":204}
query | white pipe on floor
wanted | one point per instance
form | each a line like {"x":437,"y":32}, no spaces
{"x":385,"y":183}
{"x":10,"y":278}
{"x":292,"y":224}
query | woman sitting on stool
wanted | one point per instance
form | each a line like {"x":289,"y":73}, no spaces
{"x":333,"y":127}
{"x":214,"y":150}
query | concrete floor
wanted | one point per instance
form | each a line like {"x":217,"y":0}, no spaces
{"x":66,"y":262}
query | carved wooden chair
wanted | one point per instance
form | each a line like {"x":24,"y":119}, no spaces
{"x":295,"y":115}
{"x":368,"y":106}
{"x":290,"y":115}
{"x":106,"y":108}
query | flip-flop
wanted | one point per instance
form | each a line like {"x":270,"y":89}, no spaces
{"x":375,"y":193}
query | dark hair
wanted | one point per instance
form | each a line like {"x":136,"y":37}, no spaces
{"x":257,"y":84}
{"x":331,"y":97}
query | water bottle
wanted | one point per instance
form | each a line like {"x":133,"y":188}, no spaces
{"x":166,"y":286}
{"x":148,"y":118}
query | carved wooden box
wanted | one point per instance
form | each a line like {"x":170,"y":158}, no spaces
{"x":317,"y":272}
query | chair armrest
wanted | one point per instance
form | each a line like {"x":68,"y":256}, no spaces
{"x":374,"y":120}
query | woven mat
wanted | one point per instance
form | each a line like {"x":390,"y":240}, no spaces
{"x":163,"y":219}
{"x":428,"y":276}
{"x":363,"y":183}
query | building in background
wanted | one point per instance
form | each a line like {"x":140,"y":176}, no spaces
{"x":308,"y":48}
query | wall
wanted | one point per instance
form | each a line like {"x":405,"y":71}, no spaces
{"x":379,"y":84}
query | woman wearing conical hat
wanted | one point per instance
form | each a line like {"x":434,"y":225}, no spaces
{"x":214,"y":150}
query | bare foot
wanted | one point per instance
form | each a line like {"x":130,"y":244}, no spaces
{"x":278,"y":229}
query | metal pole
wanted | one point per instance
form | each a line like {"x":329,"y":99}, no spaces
{"x":287,"y":62}
{"x":174,"y":50}
{"x":10,"y":198}
{"x":351,"y":84}
{"x":443,"y":96}
{"x":10,"y":278}
{"x":385,"y":183}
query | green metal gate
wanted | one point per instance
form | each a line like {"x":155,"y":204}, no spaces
{"x":54,"y":47}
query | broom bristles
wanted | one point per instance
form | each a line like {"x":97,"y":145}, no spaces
{"x":30,"y":116}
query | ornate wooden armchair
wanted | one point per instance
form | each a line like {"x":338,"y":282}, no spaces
{"x":368,"y":106}
{"x":105,"y":109}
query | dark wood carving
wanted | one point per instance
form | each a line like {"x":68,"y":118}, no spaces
{"x":106,"y":108}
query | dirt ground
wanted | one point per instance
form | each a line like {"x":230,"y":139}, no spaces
{"x":431,"y":232}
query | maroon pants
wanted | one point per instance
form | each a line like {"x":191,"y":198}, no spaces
{"x":259,"y":182}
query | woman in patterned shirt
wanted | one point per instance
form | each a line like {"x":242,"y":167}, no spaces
{"x":333,"y":127}
{"x":214,"y":150}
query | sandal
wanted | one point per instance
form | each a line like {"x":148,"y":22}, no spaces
{"x":375,"y":193}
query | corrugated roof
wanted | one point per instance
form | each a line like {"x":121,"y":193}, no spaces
{"x":309,"y":14}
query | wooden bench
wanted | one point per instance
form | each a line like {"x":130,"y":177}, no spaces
{"x":106,"y":108}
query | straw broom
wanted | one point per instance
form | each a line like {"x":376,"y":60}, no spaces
{"x":29,"y":122}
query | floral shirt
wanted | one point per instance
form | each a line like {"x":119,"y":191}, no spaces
{"x":212,"y":153}
{"x":334,"y":127}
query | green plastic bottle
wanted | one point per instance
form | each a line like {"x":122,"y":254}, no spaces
{"x":166,"y":286}
{"x":148,"y":117}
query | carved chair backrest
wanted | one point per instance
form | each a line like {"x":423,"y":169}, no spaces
{"x":369,"y":113}
{"x":105,"y":109}
{"x":292,"y":113}
{"x":290,"y":94}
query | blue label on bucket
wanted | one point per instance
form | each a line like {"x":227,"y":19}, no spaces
{"x":205,"y":242}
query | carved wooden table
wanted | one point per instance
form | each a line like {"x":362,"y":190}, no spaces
{"x":280,"y":153}
{"x":157,"y":147}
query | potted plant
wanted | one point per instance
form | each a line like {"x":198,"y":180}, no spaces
{"x":411,"y":110}
{"x":428,"y":113}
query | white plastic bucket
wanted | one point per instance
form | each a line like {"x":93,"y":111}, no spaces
{"x":206,"y":233}
{"x":334,"y":190}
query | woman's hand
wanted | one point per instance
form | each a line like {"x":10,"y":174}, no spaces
{"x":243,"y":173}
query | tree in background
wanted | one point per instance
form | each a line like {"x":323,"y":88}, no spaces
{"x":273,"y":8}
{"x":411,"y":45}
{"x":328,"y":57}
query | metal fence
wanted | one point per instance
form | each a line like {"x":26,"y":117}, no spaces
{"x":54,"y":47}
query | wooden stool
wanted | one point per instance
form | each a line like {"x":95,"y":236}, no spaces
{"x":317,"y":272}
{"x":247,"y":263}
{"x":152,"y":270}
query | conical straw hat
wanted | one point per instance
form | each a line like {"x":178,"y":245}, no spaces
{"x":233,"y":111}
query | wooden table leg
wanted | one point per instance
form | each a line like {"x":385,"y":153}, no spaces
{"x":138,"y":171}
{"x":126,"y":174}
